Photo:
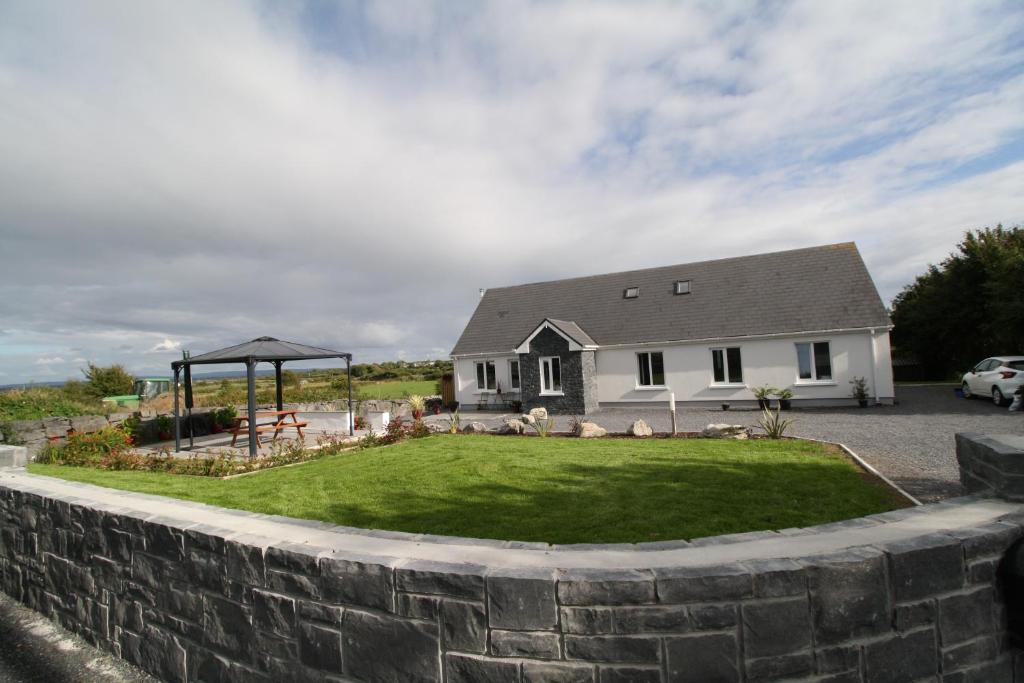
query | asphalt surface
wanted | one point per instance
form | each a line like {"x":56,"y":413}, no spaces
{"x":911,"y":442}
{"x":35,"y":650}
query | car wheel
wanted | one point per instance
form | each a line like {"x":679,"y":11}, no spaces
{"x":966,"y":390}
{"x":997,"y":397}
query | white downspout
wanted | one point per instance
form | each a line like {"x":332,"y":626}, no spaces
{"x":874,"y":368}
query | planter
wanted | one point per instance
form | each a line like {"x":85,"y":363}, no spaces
{"x":437,"y":409}
{"x":417,"y":414}
{"x":164,"y":436}
{"x":216,"y":428}
{"x":862,"y":402}
{"x":764,"y":404}
{"x":785,"y":403}
{"x":725,"y":406}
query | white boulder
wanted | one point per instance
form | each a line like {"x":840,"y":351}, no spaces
{"x":725,"y":431}
{"x":640,"y":428}
{"x":590,"y":430}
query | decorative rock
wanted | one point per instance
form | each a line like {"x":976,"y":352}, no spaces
{"x":590,"y":430}
{"x":539,"y":413}
{"x":527,"y":419}
{"x":475,"y":428}
{"x":512,"y":426}
{"x":640,"y":428}
{"x":725,"y":431}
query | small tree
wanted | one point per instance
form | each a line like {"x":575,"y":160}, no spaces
{"x":113,"y":380}
{"x":290,"y":378}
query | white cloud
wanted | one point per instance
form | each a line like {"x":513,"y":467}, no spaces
{"x":166,"y":345}
{"x":209,"y":173}
{"x":49,"y":360}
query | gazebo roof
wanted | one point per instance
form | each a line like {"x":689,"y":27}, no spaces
{"x":262,"y":349}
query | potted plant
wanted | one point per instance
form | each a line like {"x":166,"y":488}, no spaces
{"x":416,"y":405}
{"x":131,"y":429}
{"x":725,"y":406}
{"x":860,"y":391}
{"x":763,"y":395}
{"x":164,"y":425}
{"x":223,"y":418}
{"x":516,"y":406}
{"x":785,"y":397}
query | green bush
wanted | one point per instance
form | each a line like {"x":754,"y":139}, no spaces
{"x":38,"y":402}
{"x":112,"y":380}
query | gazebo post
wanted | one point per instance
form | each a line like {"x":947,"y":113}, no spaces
{"x":177,"y":420}
{"x":351,"y":417}
{"x":250,"y":375}
{"x":277,"y":378}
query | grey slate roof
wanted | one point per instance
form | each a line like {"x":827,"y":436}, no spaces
{"x":263,"y":349}
{"x":573,"y":331}
{"x":802,"y":290}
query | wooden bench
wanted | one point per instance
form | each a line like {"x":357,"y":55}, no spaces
{"x":280,"y":423}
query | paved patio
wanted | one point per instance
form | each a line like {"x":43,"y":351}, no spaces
{"x":911,"y":442}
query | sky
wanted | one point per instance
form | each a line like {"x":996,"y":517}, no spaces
{"x":190,"y":175}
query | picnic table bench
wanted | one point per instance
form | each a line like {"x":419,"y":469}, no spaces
{"x":280,"y":423}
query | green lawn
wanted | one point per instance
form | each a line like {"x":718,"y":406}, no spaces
{"x":397,"y":388}
{"x":558,"y":490}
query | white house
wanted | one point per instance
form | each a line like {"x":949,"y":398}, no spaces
{"x":807,"y":320}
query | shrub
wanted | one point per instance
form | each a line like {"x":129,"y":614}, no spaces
{"x":860,"y":388}
{"x":87,"y":449}
{"x":419,"y":430}
{"x":543,"y":427}
{"x":361,"y":423}
{"x":764,"y":392}
{"x":773,"y":425}
{"x":164,"y":424}
{"x":112,"y":380}
{"x":225,"y":417}
{"x":454,"y":422}
{"x":417,"y":403}
{"x":394,"y":432}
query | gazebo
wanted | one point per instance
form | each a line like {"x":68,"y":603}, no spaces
{"x":259,"y":350}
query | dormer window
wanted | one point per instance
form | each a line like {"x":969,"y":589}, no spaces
{"x":631,"y":292}
{"x":682,"y":286}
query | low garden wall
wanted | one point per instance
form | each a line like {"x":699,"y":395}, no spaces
{"x":192,"y":592}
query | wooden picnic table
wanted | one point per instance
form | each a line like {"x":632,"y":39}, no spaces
{"x":279,"y":423}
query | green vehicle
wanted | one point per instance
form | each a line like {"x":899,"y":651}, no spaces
{"x":144,"y":389}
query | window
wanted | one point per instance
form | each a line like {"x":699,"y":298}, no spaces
{"x":682,"y":286}
{"x":513,"y":374}
{"x":727,"y":365}
{"x":814,"y":361}
{"x":631,"y":292}
{"x":485,"y":379}
{"x":650,"y":369}
{"x":551,"y":375}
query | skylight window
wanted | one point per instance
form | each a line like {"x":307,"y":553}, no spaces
{"x":682,"y":286}
{"x":631,"y":292}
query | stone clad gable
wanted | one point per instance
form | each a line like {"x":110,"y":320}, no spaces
{"x":579,"y":384}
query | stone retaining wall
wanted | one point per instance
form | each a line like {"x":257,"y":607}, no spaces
{"x":191,"y":592}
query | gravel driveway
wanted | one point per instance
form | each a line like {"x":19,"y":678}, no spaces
{"x":911,"y":442}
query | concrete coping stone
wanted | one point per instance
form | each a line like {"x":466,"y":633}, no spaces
{"x":471,"y":556}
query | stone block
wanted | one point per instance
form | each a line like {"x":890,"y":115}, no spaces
{"x":227,"y":625}
{"x":13,"y":456}
{"x":418,"y":606}
{"x":782,"y":667}
{"x":626,"y":649}
{"x":924,"y":566}
{"x":330,"y":615}
{"x":294,"y":558}
{"x":776,"y":628}
{"x":587,"y":621}
{"x":320,"y":647}
{"x":464,"y":626}
{"x":56,"y":427}
{"x":849,"y":595}
{"x":776,"y":578}
{"x":838,"y":659}
{"x":661,"y":618}
{"x":522,"y":599}
{"x":474,"y":669}
{"x":628,"y":674}
{"x":464,"y":581}
{"x":967,"y":615}
{"x":606,"y":587}
{"x":713,"y":617}
{"x":390,"y":649}
{"x":557,"y":672}
{"x":702,"y":658}
{"x":969,"y":654}
{"x":296,"y":585}
{"x":908,"y":657}
{"x":912,"y":615}
{"x":716,"y":583}
{"x":245,"y":562}
{"x":164,"y":540}
{"x":362,"y":581}
{"x":534,"y":644}
{"x":87,"y":424}
{"x":274,"y":613}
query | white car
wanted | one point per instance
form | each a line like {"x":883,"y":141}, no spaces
{"x":996,"y":377}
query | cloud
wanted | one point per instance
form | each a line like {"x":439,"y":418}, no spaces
{"x":166,"y":345}
{"x":49,"y":360}
{"x":350,"y":176}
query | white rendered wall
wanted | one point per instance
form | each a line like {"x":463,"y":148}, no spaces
{"x":688,"y":370}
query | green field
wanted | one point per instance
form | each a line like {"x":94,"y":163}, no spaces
{"x":559,"y":490}
{"x":396,"y":389}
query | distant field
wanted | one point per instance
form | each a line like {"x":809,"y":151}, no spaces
{"x":396,"y":389}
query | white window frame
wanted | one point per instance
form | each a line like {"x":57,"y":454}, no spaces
{"x":476,"y":368}
{"x":682,"y":287}
{"x":512,"y":384}
{"x":814,"y":379}
{"x":650,"y":371}
{"x":725,"y":383}
{"x":551,"y":391}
